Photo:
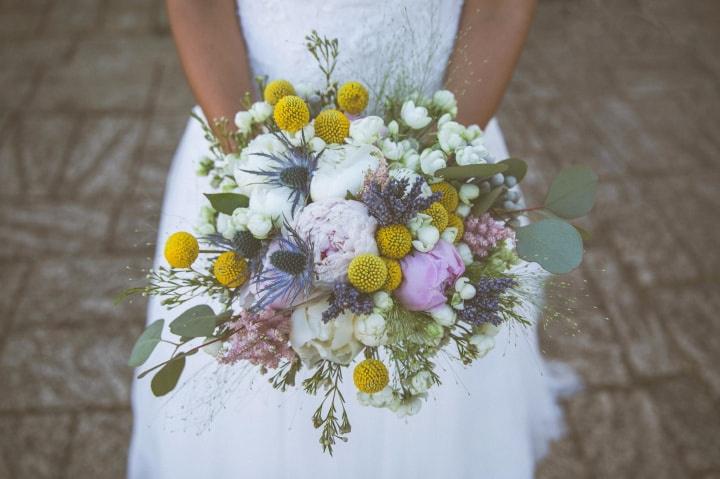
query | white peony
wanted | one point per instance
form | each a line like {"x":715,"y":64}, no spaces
{"x":313,"y":340}
{"x":472,"y":155}
{"x":244,"y":122}
{"x":416,"y":117}
{"x":445,"y":101}
{"x":431,"y":161}
{"x":261,"y":111}
{"x":371,"y":330}
{"x":450,"y":136}
{"x":343,"y":169}
{"x":367,"y":130}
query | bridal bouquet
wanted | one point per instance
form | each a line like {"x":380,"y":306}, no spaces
{"x":337,"y":241}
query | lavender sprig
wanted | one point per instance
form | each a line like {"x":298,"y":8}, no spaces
{"x":487,"y":304}
{"x":393,"y":203}
{"x":345,"y":297}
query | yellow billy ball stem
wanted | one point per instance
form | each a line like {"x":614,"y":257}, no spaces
{"x":231,"y":269}
{"x":181,"y":250}
{"x":367,"y":273}
{"x":371,"y":376}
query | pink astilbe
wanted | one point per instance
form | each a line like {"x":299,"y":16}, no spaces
{"x":483,"y":233}
{"x":262,"y":339}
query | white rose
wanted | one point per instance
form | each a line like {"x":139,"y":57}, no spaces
{"x":472,"y":155}
{"x":272,"y":202}
{"x":465,"y":253}
{"x":483,"y":343}
{"x":343,"y":169}
{"x":367,"y":130}
{"x":313,"y":340}
{"x":382,"y":301}
{"x":259,"y":225}
{"x":244,"y":122}
{"x":371,"y":330}
{"x":427,"y":238}
{"x":445,"y":100}
{"x":421,"y":382}
{"x":261,"y":111}
{"x":469,"y":192}
{"x":444,"y":315}
{"x":431,"y":161}
{"x":416,"y":117}
{"x":450,"y":136}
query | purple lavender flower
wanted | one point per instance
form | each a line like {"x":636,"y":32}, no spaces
{"x":486,"y":305}
{"x":392,"y":203}
{"x":344,"y":297}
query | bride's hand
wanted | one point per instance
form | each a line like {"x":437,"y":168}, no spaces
{"x":490,"y":39}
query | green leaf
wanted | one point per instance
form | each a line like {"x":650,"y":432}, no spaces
{"x":553,"y":244}
{"x":145,"y":344}
{"x":167,"y":378}
{"x":198,"y":321}
{"x":572,"y":193}
{"x":227,"y":202}
{"x":517,"y":168}
{"x":485,"y":203}
{"x":471,"y":171}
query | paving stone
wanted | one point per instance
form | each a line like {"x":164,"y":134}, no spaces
{"x":32,"y":153}
{"x":563,"y":461}
{"x":73,"y":17}
{"x":690,"y":314}
{"x":649,"y":349}
{"x":15,"y":87}
{"x":19,"y":23}
{"x":96,"y":443}
{"x":26,"y":54}
{"x":68,"y":368}
{"x":100,"y":164}
{"x":90,"y":298}
{"x":13,"y":277}
{"x":578,"y":333}
{"x":129,"y":17}
{"x":51,"y":228}
{"x":690,"y":416}
{"x":174,"y":96}
{"x":34,"y":446}
{"x":621,"y":434}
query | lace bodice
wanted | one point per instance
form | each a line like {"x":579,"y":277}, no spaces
{"x":383,"y":43}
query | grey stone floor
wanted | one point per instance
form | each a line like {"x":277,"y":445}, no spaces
{"x":92,"y":103}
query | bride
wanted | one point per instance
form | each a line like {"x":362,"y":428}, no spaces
{"x":491,"y":420}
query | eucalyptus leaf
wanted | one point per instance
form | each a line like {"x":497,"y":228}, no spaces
{"x":198,"y":321}
{"x":572,"y":193}
{"x":167,"y":378}
{"x":471,"y":171}
{"x":484,"y":203}
{"x":227,"y":202}
{"x":517,"y":168}
{"x":553,"y":244}
{"x":145,"y":344}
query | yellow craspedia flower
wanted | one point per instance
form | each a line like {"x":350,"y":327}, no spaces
{"x":291,"y":113}
{"x":394,"y":241}
{"x":394,"y":276}
{"x":367,"y":272}
{"x":231,"y":269}
{"x":277,"y":89}
{"x":181,"y":250}
{"x":449,"y":198}
{"x":352,"y":97}
{"x":371,"y":376}
{"x":439,"y":215}
{"x":455,"y":221}
{"x":332,"y":126}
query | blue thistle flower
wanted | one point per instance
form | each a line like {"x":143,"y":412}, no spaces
{"x":392,"y":203}
{"x":288,"y":274}
{"x":292,"y":169}
{"x":487,"y":304}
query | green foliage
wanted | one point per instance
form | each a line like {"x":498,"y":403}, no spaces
{"x":554,"y":244}
{"x":572,"y":193}
{"x":145,"y":344}
{"x":227,"y":202}
{"x":167,"y":378}
{"x":198,"y":321}
{"x":285,"y":374}
{"x":485,"y":202}
{"x":329,"y":375}
{"x":325,"y":51}
{"x":465,"y":172}
{"x":516,"y":168}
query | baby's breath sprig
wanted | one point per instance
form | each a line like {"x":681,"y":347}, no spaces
{"x":328,"y":375}
{"x":325,"y":51}
{"x":177,"y":287}
{"x":285,"y":375}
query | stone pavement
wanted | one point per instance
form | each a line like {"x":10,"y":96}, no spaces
{"x":92,"y":103}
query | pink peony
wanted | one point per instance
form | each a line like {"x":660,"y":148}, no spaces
{"x":426,"y":276}
{"x":483,"y":233}
{"x":261,"y":339}
{"x":339,"y":230}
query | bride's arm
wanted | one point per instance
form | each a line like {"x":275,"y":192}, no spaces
{"x":212,"y":53}
{"x":490,"y":40}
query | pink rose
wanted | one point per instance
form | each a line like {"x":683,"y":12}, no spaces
{"x":426,"y":276}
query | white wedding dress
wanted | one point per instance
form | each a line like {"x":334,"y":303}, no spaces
{"x":492,"y":420}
